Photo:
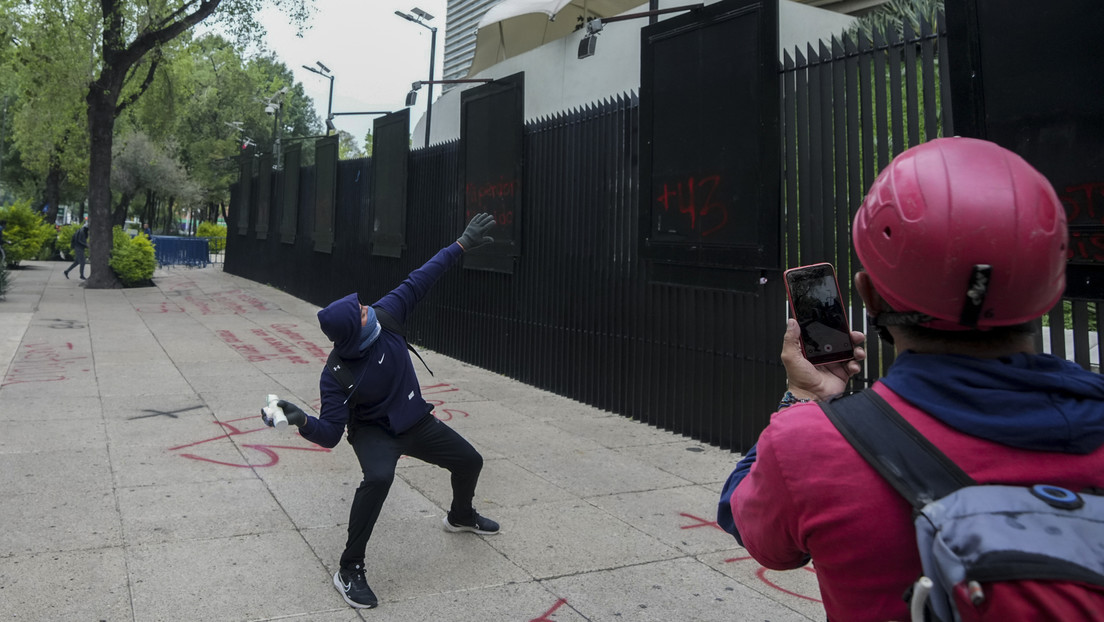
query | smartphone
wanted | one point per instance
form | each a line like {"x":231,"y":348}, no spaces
{"x":817,"y":305}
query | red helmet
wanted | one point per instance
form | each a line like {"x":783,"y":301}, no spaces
{"x":966,"y":232}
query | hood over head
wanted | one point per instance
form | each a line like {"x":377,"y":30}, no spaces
{"x":340,"y":321}
{"x":1030,"y":401}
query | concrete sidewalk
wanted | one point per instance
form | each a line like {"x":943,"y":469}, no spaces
{"x":139,"y":483}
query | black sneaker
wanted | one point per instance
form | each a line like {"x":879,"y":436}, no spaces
{"x":476,"y":524}
{"x":354,"y":587}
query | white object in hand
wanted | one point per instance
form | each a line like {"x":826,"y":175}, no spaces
{"x":275,"y":413}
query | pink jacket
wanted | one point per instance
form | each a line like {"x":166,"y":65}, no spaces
{"x":810,"y":493}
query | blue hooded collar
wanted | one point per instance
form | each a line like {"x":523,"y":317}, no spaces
{"x":1030,"y":401}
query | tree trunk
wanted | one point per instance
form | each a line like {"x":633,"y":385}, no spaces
{"x":101,"y":126}
{"x":52,"y":195}
{"x":118,"y":58}
{"x":121,"y":209}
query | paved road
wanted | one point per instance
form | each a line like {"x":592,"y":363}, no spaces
{"x":138,"y":483}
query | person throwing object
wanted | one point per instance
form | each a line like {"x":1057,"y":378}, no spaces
{"x":369,"y":387}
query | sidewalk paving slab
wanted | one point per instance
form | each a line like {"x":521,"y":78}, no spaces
{"x":140,"y":485}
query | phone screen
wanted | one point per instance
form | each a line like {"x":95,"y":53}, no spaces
{"x":816,"y":304}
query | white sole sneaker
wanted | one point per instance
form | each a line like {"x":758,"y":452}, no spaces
{"x":341,"y":590}
{"x":464,"y":528}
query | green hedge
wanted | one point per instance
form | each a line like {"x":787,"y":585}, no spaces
{"x":216,"y":235}
{"x":26,"y":232}
{"x":132,"y":259}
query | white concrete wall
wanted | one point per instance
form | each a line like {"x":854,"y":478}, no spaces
{"x":557,"y":80}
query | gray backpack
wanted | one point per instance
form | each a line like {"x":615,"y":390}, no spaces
{"x":989,"y":552}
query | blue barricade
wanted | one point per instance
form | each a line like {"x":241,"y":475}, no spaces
{"x":172,"y":250}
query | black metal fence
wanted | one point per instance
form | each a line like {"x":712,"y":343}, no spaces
{"x":579,"y":316}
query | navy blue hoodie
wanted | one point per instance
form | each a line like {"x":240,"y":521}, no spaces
{"x":386,"y":386}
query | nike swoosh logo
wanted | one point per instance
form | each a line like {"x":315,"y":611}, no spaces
{"x":382,"y":357}
{"x":347,"y":586}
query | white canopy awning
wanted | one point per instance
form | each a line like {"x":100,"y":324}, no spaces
{"x":514,"y":27}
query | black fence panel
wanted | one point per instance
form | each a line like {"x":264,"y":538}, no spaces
{"x":581,"y":314}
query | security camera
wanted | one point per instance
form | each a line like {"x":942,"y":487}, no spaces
{"x":271,"y":109}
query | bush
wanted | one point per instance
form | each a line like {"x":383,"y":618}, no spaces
{"x":132,"y":259}
{"x":65,"y":240}
{"x":215,"y":234}
{"x":25,"y":232}
{"x":48,"y":250}
{"x":3,"y":280}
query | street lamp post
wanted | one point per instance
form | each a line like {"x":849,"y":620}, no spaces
{"x":412,"y":96}
{"x":272,"y":107}
{"x":325,"y":73}
{"x":432,"y":55}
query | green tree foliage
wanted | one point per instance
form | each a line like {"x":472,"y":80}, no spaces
{"x":123,"y":47}
{"x":215,"y":234}
{"x":64,"y":243}
{"x":895,"y":13}
{"x":368,"y":143}
{"x":25,"y":233}
{"x":347,"y":147}
{"x":48,"y":121}
{"x":141,"y":165}
{"x":132,"y":259}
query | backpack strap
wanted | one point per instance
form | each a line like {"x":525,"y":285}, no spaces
{"x":915,"y":467}
{"x":387,"y":322}
{"x":341,"y":371}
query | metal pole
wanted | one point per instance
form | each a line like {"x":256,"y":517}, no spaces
{"x":276,"y":145}
{"x":329,"y":107}
{"x":429,"y":105}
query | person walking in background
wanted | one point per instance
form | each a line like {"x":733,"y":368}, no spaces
{"x":79,"y":244}
{"x":3,"y":253}
{"x":963,"y":246}
{"x":369,"y":387}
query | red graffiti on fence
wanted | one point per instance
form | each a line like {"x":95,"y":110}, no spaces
{"x":44,"y":362}
{"x":1081,"y":203}
{"x":1086,"y":246}
{"x":544,"y":616}
{"x":265,"y":449}
{"x":697,"y":198}
{"x":496,"y":198}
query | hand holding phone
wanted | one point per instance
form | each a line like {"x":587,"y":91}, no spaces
{"x":817,"y":305}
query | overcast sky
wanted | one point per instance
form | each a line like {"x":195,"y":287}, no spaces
{"x":374,"y":55}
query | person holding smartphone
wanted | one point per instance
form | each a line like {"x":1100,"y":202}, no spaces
{"x":963,"y":247}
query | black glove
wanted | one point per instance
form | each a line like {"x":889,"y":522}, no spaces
{"x":475,"y":234}
{"x":294,"y":414}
